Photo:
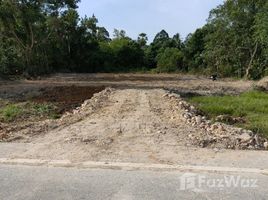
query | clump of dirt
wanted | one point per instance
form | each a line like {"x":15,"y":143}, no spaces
{"x":66,"y":98}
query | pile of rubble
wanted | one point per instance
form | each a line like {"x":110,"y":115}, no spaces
{"x":89,"y":105}
{"x":263,"y":84}
{"x":216,"y":135}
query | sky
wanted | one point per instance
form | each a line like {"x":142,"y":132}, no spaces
{"x":149,"y":16}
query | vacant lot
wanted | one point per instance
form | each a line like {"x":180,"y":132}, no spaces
{"x":72,"y":117}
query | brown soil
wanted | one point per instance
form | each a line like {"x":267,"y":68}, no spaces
{"x":66,"y":98}
{"x":61,"y":99}
{"x":182,"y":84}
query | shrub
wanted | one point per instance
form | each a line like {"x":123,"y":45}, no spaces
{"x":169,"y":60}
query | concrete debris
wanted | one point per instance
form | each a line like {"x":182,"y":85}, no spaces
{"x":217,"y":135}
{"x":229,"y":119}
{"x":263,"y":84}
{"x":245,"y":137}
{"x":265,"y":145}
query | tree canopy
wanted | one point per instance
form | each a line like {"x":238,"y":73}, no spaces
{"x":44,"y":36}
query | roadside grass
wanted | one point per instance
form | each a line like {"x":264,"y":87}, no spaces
{"x":252,"y":106}
{"x":11,"y":111}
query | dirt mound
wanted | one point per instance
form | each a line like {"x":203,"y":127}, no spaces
{"x":66,"y":97}
{"x":263,"y":84}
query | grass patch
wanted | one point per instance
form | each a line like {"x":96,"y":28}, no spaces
{"x":10,"y":112}
{"x":46,"y":109}
{"x":252,"y":106}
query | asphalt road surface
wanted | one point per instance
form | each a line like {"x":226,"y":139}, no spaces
{"x":34,"y":183}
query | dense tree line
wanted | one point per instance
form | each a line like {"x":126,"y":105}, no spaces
{"x":44,"y":36}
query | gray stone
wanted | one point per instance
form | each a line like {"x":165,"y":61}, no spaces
{"x":245,"y":137}
{"x":265,"y":144}
{"x":198,"y":119}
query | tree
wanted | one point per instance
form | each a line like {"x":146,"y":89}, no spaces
{"x":193,"y":50}
{"x":170,"y":60}
{"x":21,"y":24}
{"x":119,"y":34}
{"x":231,"y":47}
{"x":103,"y":35}
{"x":142,"y":40}
{"x":261,"y":36}
{"x":25,"y":24}
{"x":127,"y":54}
{"x":176,"y":41}
{"x":161,"y":37}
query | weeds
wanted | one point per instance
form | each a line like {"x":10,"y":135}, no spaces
{"x":10,"y":112}
{"x":24,"y":111}
{"x":252,"y":106}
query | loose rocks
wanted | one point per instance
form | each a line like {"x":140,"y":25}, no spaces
{"x":216,"y":135}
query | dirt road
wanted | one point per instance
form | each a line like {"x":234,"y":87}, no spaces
{"x":133,"y":125}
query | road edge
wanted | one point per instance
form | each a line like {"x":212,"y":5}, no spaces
{"x":129,"y":166}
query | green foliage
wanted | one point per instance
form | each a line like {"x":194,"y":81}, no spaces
{"x":10,"y":112}
{"x":142,"y":40}
{"x":42,"y":108}
{"x":170,"y":60}
{"x":194,"y":49}
{"x":9,"y":58}
{"x":127,"y":54}
{"x":161,"y":42}
{"x":232,"y":47}
{"x":38,"y":37}
{"x":253,"y":106}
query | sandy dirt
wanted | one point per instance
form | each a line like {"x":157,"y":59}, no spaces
{"x":133,"y":125}
{"x":134,"y":122}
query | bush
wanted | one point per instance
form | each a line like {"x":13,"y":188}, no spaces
{"x":169,"y":60}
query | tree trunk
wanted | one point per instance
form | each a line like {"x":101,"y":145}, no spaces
{"x":249,"y":68}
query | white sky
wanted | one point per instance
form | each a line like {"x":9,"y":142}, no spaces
{"x":149,"y":16}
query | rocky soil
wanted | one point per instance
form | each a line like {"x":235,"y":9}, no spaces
{"x":216,"y":134}
{"x":136,"y":121}
{"x":131,"y":125}
{"x":263,"y":84}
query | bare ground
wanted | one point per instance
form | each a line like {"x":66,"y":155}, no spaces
{"x":132,"y":123}
{"x":183,"y":84}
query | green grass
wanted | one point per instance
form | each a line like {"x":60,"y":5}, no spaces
{"x":10,"y":112}
{"x":252,"y":106}
{"x":42,"y":108}
{"x":48,"y":110}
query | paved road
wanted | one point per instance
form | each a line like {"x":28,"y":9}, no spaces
{"x":21,"y":182}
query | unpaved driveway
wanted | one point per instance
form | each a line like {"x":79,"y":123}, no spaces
{"x":132,"y":125}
